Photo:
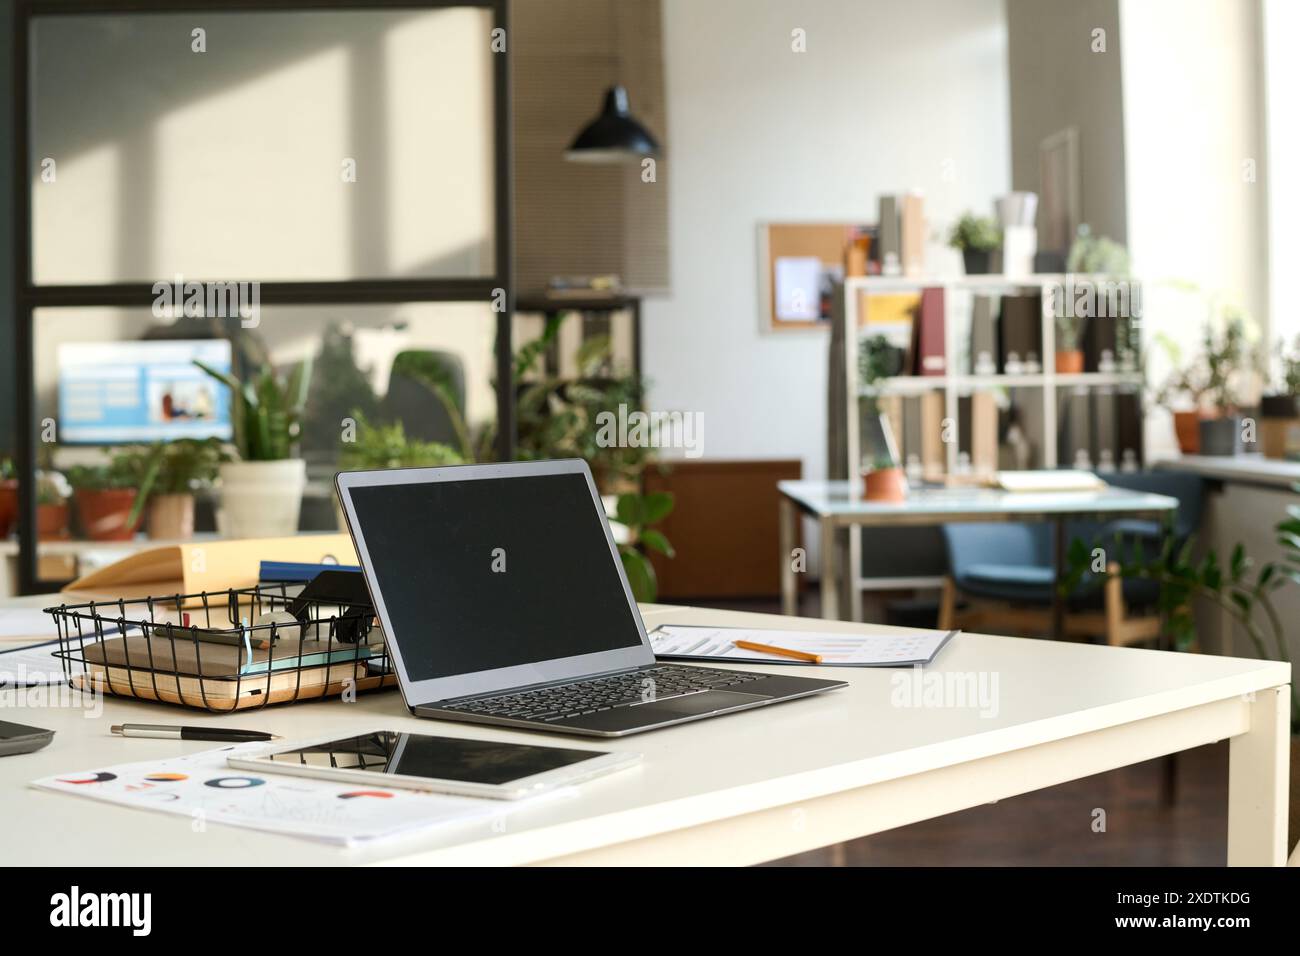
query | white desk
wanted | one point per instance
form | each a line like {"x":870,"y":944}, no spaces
{"x":839,"y":504}
{"x":738,"y":789}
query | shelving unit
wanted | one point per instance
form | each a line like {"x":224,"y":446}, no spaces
{"x":956,"y":383}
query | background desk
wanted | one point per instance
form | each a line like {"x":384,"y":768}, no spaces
{"x":838,"y":504}
{"x":739,"y":789}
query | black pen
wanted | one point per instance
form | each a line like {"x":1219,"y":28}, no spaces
{"x":170,"y":732}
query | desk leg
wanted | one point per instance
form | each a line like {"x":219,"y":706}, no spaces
{"x":852,"y":572}
{"x":1058,"y":602}
{"x":1257,"y":783}
{"x":830,"y":599}
{"x":788,"y":529}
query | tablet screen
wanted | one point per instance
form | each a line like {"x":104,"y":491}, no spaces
{"x":435,"y":758}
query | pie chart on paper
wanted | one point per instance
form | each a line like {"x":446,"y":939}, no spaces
{"x":102,"y":777}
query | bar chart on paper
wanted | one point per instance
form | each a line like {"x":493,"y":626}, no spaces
{"x":895,"y":648}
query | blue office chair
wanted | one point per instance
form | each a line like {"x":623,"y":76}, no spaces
{"x":1004,"y":572}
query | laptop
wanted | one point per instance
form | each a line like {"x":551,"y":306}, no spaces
{"x":503,"y":601}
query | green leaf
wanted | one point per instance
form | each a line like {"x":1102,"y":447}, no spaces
{"x":1237,"y":563}
{"x":630,"y":511}
{"x":655,"y":541}
{"x":656,"y":506}
{"x":640,"y":574}
{"x":146,"y":483}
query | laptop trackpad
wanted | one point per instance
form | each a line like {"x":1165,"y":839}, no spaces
{"x":691,"y":705}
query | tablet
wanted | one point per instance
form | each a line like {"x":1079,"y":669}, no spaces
{"x":459,"y":765}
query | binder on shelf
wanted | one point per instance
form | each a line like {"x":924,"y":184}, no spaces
{"x":984,"y":433}
{"x":1128,"y":427}
{"x":983,"y":336}
{"x":928,"y":335}
{"x":1100,"y":334}
{"x":911,"y":433}
{"x":1020,"y":330}
{"x":1074,"y":429}
{"x":1104,"y":452}
{"x":934,"y":462}
{"x":913,"y":234}
{"x":891,"y":244}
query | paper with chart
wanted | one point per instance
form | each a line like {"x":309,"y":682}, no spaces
{"x":894,"y":647}
{"x":202,"y":786}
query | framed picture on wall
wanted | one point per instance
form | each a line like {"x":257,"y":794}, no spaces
{"x":1058,"y":173}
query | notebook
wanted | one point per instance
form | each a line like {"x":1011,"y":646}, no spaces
{"x":900,"y":647}
{"x":183,"y":655}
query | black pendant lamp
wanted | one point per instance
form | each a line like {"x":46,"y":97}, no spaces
{"x":614,"y":136}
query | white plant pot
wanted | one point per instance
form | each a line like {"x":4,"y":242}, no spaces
{"x":261,"y":499}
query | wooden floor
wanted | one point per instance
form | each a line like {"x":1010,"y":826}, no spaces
{"x":1060,"y":826}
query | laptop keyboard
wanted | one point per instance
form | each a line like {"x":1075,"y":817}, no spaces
{"x":603,"y":693}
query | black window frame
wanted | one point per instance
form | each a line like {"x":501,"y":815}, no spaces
{"x":496,"y":289}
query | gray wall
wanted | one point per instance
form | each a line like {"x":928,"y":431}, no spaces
{"x":1057,"y":81}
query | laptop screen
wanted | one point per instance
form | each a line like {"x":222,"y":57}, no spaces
{"x":493,"y":572}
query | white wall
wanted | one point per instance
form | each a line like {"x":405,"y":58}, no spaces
{"x":1193,"y":117}
{"x":885,"y":95}
{"x":1281,"y":29}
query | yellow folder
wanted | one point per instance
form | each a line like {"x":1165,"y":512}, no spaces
{"x":208,"y":565}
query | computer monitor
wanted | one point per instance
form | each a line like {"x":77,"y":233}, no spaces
{"x":113,"y":393}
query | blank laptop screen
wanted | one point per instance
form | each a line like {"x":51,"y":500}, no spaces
{"x":493,"y":572}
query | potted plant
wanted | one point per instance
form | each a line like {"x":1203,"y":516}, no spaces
{"x":637,"y":513}
{"x":885,"y":480}
{"x":1187,"y":385}
{"x":386,"y":446}
{"x":173,"y":472}
{"x":8,"y":495}
{"x":1069,"y":356}
{"x":1279,"y":413}
{"x":52,"y":513}
{"x":106,"y":497}
{"x":1096,"y":255}
{"x":1227,"y":360}
{"x":261,"y":492}
{"x":976,"y":237}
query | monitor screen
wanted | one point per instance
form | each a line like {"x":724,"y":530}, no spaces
{"x":493,"y":572}
{"x":124,"y":392}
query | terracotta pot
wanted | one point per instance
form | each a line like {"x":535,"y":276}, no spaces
{"x":103,"y":513}
{"x":52,"y":522}
{"x":885,"y":484}
{"x":171,"y":517}
{"x":1070,"y":362}
{"x":8,"y":505}
{"x":1187,"y":428}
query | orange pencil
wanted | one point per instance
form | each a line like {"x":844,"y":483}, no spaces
{"x":783,"y":651}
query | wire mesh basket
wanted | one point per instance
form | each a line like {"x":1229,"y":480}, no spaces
{"x":225,"y":650}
